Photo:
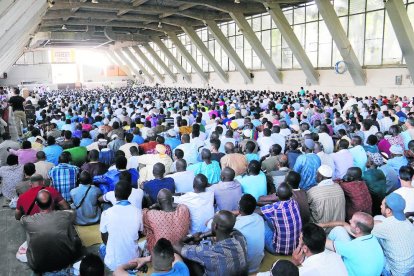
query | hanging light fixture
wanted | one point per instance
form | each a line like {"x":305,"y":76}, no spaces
{"x":236,"y":1}
{"x":159,"y":25}
{"x":95,"y":1}
{"x":64,"y":27}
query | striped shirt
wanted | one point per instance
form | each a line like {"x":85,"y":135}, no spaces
{"x":286,"y":220}
{"x":326,"y":202}
{"x":64,"y":178}
{"x":397,"y":240}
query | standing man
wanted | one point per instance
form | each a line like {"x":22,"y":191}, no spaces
{"x":16,"y":103}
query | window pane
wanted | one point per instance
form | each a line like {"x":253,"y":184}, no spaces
{"x":232,"y":28}
{"x":256,"y":24}
{"x":299,"y":14}
{"x":224,"y":29}
{"x":266,"y":41}
{"x":311,"y":13}
{"x":356,"y":6}
{"x":341,"y":7}
{"x":374,"y":5}
{"x":276,"y":47}
{"x":289,"y":15}
{"x":356,"y":35}
{"x":300,"y":33}
{"x":286,"y":55}
{"x":266,"y":22}
{"x":325,"y":46}
{"x":256,"y":63}
{"x":373,"y":38}
{"x":392,"y":52}
{"x":311,"y":46}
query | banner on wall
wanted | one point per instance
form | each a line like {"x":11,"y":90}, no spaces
{"x":63,"y":56}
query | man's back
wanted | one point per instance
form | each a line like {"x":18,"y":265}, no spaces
{"x":79,"y":155}
{"x":64,"y":177}
{"x":397,"y":240}
{"x":152,"y":187}
{"x":256,"y":185}
{"x":122,"y":223}
{"x":327,"y":203}
{"x":357,"y":198}
{"x":227,"y":195}
{"x":52,"y":240}
{"x":85,"y":198}
{"x":52,"y":153}
{"x":236,"y":161}
{"x":224,"y":258}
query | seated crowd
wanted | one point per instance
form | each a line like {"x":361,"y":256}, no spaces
{"x":204,"y":181}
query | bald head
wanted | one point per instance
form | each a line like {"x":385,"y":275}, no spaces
{"x":229,"y":147}
{"x":158,"y":170}
{"x":164,"y":196}
{"x":227,"y":174}
{"x":364,"y":221}
{"x":200,"y":183}
{"x":223,"y":222}
{"x":44,"y":199}
{"x":284,"y":191}
{"x":181,"y":165}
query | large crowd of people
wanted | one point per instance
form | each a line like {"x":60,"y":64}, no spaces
{"x":204,"y":181}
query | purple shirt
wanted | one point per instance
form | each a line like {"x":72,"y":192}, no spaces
{"x":25,"y":155}
{"x":343,"y":160}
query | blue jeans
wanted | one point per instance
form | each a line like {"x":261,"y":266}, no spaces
{"x":269,"y":232}
{"x":102,"y":251}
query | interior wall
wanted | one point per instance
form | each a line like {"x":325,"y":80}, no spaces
{"x":39,"y":73}
{"x":379,"y":82}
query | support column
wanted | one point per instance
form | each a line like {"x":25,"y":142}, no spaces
{"x":231,"y":53}
{"x":171,"y":58}
{"x":257,"y":46}
{"x":160,"y":62}
{"x":140,"y":66}
{"x":5,"y":5}
{"x":403,"y":31}
{"x":206,"y":53}
{"x":119,"y":62}
{"x":291,"y":39}
{"x":341,"y":40}
{"x":24,"y":23}
{"x":187,"y":55}
{"x":148,"y":62}
{"x":12,"y":14}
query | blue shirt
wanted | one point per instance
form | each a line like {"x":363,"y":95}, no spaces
{"x":359,"y":156}
{"x":307,"y":165}
{"x":172,"y":142}
{"x":212,"y":171}
{"x":179,"y":269}
{"x":256,"y":185}
{"x":362,"y":256}
{"x":397,"y":162}
{"x":64,"y":178}
{"x":89,"y":211}
{"x":137,"y":139}
{"x":86,"y":142}
{"x":108,"y":180}
{"x":252,"y":228}
{"x":152,"y":187}
{"x":252,"y":156}
{"x":52,"y":153}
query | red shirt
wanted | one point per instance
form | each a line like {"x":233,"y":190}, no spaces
{"x":357,"y":198}
{"x":149,"y":147}
{"x":26,"y":199}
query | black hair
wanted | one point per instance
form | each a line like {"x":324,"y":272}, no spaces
{"x":123,"y":190}
{"x":92,"y":265}
{"x":406,"y":173}
{"x":314,"y":237}
{"x":247,"y":204}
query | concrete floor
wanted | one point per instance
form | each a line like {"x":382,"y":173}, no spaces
{"x":12,"y":236}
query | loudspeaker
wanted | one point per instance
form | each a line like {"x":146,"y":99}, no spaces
{"x":140,"y":72}
{"x":4,"y":75}
{"x":252,"y":75}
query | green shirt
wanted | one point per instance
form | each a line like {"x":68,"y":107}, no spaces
{"x":78,"y":154}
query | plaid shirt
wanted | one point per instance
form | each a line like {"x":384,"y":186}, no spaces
{"x":223,"y":258}
{"x":64,"y":178}
{"x":286,"y":220}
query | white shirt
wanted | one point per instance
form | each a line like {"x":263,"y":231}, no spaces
{"x":122,"y":224}
{"x":190,"y":152}
{"x":285,"y":132}
{"x":135,"y":198}
{"x":265,"y":143}
{"x":326,"y":263}
{"x":408,"y":195}
{"x":279,"y":139}
{"x":327,"y":142}
{"x":183,"y":181}
{"x":126,"y":149}
{"x":201,"y":206}
{"x":133,"y":163}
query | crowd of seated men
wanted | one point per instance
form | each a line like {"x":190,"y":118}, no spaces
{"x":193,"y":181}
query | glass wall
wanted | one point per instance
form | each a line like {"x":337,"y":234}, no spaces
{"x":365,"y":22}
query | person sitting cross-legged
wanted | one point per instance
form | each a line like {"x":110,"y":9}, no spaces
{"x":119,"y":229}
{"x":359,"y":249}
{"x":283,"y":222}
{"x":152,"y":187}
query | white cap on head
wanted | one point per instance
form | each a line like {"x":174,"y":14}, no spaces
{"x":326,"y":171}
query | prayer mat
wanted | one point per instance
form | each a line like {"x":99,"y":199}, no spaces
{"x":89,"y":235}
